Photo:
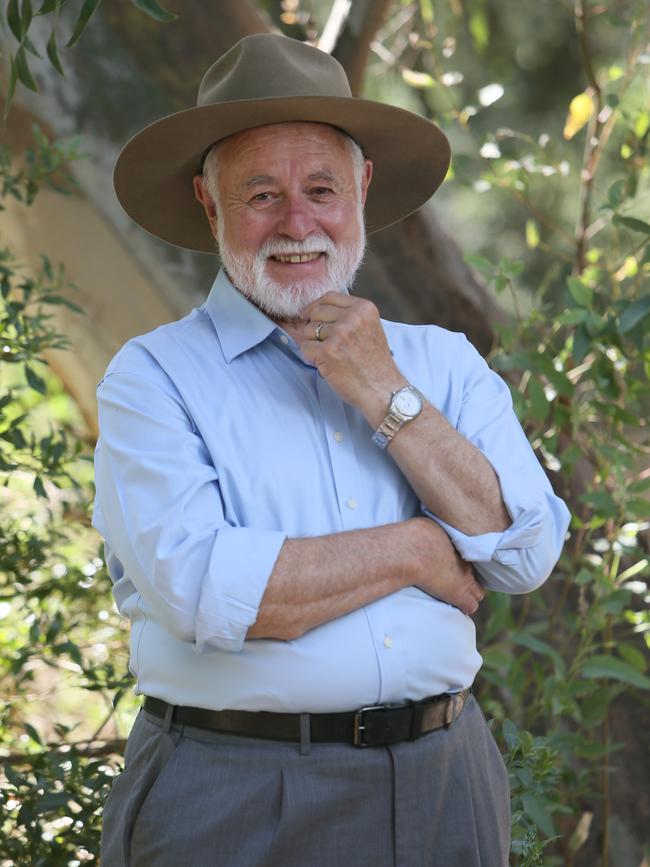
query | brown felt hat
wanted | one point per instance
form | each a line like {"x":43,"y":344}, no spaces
{"x":266,"y":79}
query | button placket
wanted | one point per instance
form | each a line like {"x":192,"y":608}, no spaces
{"x":343,"y":460}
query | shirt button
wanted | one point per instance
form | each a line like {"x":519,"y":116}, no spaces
{"x":284,"y":338}
{"x":388,"y":641}
{"x":352,"y":504}
{"x":338,"y":436}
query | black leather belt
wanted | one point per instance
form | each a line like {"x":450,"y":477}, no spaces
{"x":378,"y":725}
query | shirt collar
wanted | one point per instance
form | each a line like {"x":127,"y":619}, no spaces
{"x":239,"y":324}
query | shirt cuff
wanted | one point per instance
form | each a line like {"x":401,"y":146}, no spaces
{"x":528,"y":513}
{"x":240,"y":566}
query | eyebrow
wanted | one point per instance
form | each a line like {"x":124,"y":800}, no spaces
{"x":319,"y":175}
{"x":259,"y":179}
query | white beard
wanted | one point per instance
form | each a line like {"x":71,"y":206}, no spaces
{"x":286,"y":301}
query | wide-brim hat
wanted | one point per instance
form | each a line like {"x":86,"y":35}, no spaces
{"x":267,"y":79}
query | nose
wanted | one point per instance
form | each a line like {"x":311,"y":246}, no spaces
{"x":296,"y":220}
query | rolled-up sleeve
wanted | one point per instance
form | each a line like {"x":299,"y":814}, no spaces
{"x":162,"y":514}
{"x":522,"y":557}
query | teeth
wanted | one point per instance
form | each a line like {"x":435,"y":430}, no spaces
{"x":297,"y":258}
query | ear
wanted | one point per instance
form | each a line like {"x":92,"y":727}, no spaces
{"x":366,"y":177}
{"x":202,"y":195}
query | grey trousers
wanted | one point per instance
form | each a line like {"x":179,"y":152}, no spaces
{"x":191,"y":798}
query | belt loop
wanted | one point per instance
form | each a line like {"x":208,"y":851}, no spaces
{"x":169,"y":715}
{"x":305,"y":735}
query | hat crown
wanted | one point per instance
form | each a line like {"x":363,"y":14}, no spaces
{"x":267,"y":66}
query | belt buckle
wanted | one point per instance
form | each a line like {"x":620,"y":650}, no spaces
{"x":359,"y":728}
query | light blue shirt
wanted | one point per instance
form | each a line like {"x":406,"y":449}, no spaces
{"x":218,"y":442}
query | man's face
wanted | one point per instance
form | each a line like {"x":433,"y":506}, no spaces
{"x":289,"y":214}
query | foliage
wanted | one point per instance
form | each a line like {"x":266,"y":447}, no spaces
{"x":578,"y":364}
{"x":18,"y":17}
{"x":57,"y":637}
{"x":571,"y":222}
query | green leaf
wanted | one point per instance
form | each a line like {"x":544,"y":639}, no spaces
{"x":49,"y":6}
{"x":87,"y":11}
{"x":580,"y":292}
{"x":640,"y":486}
{"x":11,"y":89}
{"x":581,"y":343}
{"x":572,"y":317}
{"x":532,"y":235}
{"x":633,"y":655}
{"x":602,"y":666}
{"x":155,"y":10}
{"x":13,"y":19}
{"x":480,"y":30}
{"x":426,"y":11}
{"x":616,"y":193}
{"x":510,"y":734}
{"x":39,"y":488}
{"x":632,"y":223}
{"x":35,"y":381}
{"x":22,"y":69}
{"x":637,"y":311}
{"x":525,"y":639}
{"x":25,"y":16}
{"x":31,"y":731}
{"x":53,"y":53}
{"x":52,"y":801}
{"x":538,"y":401}
{"x":537,"y":809}
{"x":29,"y":46}
{"x":480,"y":263}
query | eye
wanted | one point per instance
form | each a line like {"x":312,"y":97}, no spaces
{"x":261,"y":197}
{"x":319,"y":192}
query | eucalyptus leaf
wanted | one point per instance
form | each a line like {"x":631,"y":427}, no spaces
{"x":22,"y":69}
{"x":11,"y":88}
{"x":26,"y":14}
{"x":53,"y":53}
{"x":155,"y":10}
{"x":13,"y":19}
{"x":87,"y":11}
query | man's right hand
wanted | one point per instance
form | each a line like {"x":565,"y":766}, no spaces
{"x":441,"y":571}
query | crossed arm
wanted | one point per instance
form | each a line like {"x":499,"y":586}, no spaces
{"x":316,"y":580}
{"x":212,"y":584}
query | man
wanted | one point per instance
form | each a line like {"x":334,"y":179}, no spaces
{"x":296,"y":498}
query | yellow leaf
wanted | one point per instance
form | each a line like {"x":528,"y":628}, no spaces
{"x":581,"y":108}
{"x":417,"y":79}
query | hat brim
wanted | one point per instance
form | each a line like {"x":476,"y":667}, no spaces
{"x":153,"y":174}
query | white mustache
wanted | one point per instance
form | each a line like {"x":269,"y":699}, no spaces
{"x":282,"y":247}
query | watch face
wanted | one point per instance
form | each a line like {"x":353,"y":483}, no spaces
{"x":407,"y":402}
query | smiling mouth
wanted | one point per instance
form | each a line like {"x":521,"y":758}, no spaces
{"x":297,"y":258}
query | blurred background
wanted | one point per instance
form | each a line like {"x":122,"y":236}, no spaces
{"x":536,"y":247}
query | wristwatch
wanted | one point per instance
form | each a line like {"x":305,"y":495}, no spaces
{"x":405,"y":405}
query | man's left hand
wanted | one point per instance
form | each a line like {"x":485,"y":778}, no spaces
{"x":351,"y":351}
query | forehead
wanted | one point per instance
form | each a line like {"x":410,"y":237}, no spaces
{"x":270,"y":145}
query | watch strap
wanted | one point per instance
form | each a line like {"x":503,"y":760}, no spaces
{"x":393,"y":421}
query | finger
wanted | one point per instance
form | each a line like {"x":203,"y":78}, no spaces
{"x":332,"y":299}
{"x":316,"y":330}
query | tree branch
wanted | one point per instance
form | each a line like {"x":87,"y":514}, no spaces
{"x":352,"y":47}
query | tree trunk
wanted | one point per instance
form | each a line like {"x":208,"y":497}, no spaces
{"x":126,"y":72}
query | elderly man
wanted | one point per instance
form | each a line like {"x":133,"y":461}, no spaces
{"x":302,"y":503}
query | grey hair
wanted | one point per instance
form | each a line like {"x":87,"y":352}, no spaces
{"x":210,"y":172}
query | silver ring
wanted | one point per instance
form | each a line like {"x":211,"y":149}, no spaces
{"x":318,"y":331}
